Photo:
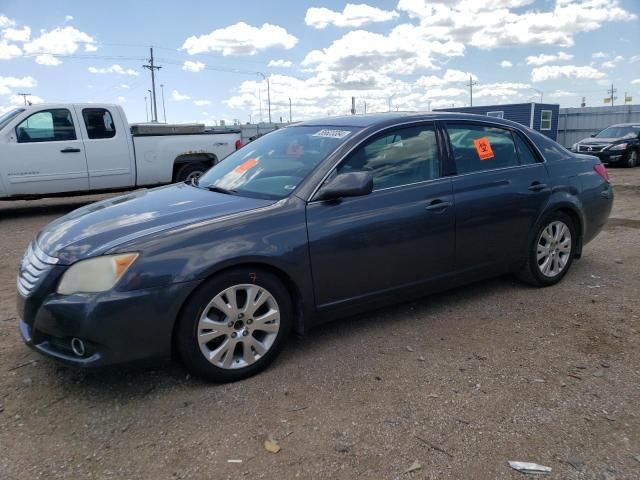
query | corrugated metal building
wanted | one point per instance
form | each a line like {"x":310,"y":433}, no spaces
{"x":578,"y":123}
{"x":542,"y":117}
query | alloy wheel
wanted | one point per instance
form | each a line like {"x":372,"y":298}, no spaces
{"x":238,"y":326}
{"x":554,"y":249}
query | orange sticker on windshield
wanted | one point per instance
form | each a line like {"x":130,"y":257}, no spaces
{"x":243,"y":167}
{"x":483,"y":147}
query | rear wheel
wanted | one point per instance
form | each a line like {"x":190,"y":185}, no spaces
{"x":551,"y":251}
{"x":631,"y":159}
{"x":190,"y":172}
{"x":235,"y":325}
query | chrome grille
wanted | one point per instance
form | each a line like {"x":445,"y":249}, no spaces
{"x":590,"y":148}
{"x":34,"y":266}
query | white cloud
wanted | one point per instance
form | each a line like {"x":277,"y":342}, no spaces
{"x":561,"y":93}
{"x":634,"y":59}
{"x":17,"y":34}
{"x":403,"y":51}
{"x":125,"y":86}
{"x":636,"y":81}
{"x":115,"y":69}
{"x":240,"y":39}
{"x":599,"y":55}
{"x":121,"y":99}
{"x":506,"y":64}
{"x":353,"y":15}
{"x":68,"y":18}
{"x":179,"y":97}
{"x":550,"y":72}
{"x":201,"y":103}
{"x":6,"y":22}
{"x":280,"y":63}
{"x":8,"y":51}
{"x":543,"y":59}
{"x":46,"y":59}
{"x":493,"y":24}
{"x":60,"y":41}
{"x":190,"y":66}
{"x":613,"y":62}
{"x":90,"y":47}
{"x":7,"y":84}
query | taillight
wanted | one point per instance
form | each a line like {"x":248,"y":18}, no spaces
{"x":602,"y":171}
{"x":238,"y":144}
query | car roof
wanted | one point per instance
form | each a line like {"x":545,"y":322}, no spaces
{"x":391,"y":118}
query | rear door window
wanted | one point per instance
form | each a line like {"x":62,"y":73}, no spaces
{"x":477,"y":147}
{"x":526,"y":156}
{"x":99,"y":123}
{"x":47,"y":126}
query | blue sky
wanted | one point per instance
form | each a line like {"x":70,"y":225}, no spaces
{"x":404,"y":54}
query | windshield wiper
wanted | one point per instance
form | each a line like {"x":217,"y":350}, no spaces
{"x":215,"y":188}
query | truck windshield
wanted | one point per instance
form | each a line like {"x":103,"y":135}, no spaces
{"x":5,"y":118}
{"x":619,"y":132}
{"x":272,"y":166}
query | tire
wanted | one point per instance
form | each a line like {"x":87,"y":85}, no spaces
{"x":631,"y":159}
{"x":240,"y":342}
{"x":190,"y":171}
{"x":560,"y":252}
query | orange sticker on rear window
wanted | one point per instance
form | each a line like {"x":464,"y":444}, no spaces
{"x":483,"y":147}
{"x":243,"y":167}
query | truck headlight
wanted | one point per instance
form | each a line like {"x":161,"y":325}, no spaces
{"x":97,"y":274}
{"x":574,"y":147}
{"x":619,"y":146}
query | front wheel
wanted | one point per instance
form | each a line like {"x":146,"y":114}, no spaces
{"x":190,"y":172}
{"x":551,"y":251}
{"x":234,"y":326}
{"x":631,"y":159}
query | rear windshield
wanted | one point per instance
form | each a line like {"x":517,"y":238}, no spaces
{"x":272,"y":166}
{"x":551,"y":151}
{"x":5,"y":118}
{"x":619,"y":132}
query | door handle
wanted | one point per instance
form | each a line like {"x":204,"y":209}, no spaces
{"x":70,"y":150}
{"x":437,"y":205}
{"x":538,"y":187}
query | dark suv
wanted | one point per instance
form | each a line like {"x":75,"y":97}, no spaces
{"x":615,"y":145}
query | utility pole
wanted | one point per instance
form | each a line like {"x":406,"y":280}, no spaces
{"x":612,"y":93}
{"x":290,"y":118}
{"x":353,"y":105}
{"x":24,"y":96}
{"x":164,"y":110}
{"x":153,"y":68}
{"x":471,"y":84}
{"x":268,"y":93}
{"x":146,"y":109}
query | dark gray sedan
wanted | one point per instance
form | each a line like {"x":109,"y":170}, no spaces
{"x":309,"y":223}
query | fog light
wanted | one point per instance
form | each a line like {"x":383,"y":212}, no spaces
{"x":77,"y":346}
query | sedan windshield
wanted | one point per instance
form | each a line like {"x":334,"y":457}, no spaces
{"x":619,"y":132}
{"x":5,"y":118}
{"x":273,"y":166}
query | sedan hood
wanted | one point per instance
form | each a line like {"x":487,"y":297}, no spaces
{"x":597,"y":141}
{"x":98,"y":227}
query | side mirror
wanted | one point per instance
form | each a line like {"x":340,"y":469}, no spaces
{"x":592,"y":135}
{"x":351,"y":184}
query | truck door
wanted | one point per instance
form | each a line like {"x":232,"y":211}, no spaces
{"x":46,"y":154}
{"x":106,"y":146}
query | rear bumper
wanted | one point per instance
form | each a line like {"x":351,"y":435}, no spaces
{"x":116,"y":327}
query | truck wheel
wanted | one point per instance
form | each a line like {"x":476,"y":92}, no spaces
{"x":190,"y":172}
{"x":631,"y":160}
{"x":234,"y":325}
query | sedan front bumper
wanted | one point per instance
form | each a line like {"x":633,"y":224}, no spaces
{"x":115,"y":327}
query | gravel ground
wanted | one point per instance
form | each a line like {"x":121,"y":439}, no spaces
{"x":459,"y":382}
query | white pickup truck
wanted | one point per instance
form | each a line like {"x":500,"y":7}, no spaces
{"x":72,"y":148}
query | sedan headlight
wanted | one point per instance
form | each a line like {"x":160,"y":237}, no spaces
{"x":618,"y":146}
{"x":97,"y":274}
